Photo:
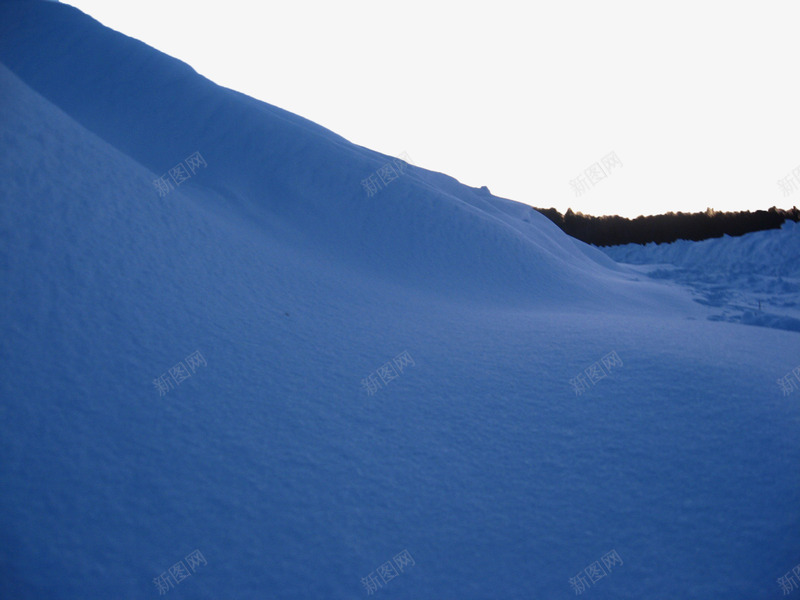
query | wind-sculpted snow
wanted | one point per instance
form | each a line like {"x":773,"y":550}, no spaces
{"x":267,"y":384}
{"x":271,"y":166}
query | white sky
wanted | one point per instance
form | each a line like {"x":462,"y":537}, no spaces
{"x":699,"y":100}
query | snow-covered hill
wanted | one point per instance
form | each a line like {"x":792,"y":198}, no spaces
{"x":268,"y":451}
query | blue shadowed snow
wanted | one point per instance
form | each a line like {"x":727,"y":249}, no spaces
{"x":271,"y":459}
{"x":752,"y":279}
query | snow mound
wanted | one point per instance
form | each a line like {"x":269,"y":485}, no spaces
{"x":302,"y":454}
{"x":271,"y":166}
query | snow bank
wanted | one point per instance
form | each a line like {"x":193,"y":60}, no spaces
{"x":271,"y":457}
{"x":753,"y":279}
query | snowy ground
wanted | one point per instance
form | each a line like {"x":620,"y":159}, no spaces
{"x":752,"y":279}
{"x":559,"y":406}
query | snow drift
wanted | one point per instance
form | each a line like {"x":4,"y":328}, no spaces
{"x":752,"y":279}
{"x":272,"y":459}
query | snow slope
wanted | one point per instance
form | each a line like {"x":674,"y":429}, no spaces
{"x":752,"y":279}
{"x":276,"y":167}
{"x":271,"y":459}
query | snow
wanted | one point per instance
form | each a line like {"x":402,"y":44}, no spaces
{"x":271,"y":459}
{"x":752,"y":279}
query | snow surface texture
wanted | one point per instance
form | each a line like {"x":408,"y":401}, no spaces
{"x":752,"y":279}
{"x":271,"y":459}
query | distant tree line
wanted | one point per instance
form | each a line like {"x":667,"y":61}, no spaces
{"x":614,"y":230}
